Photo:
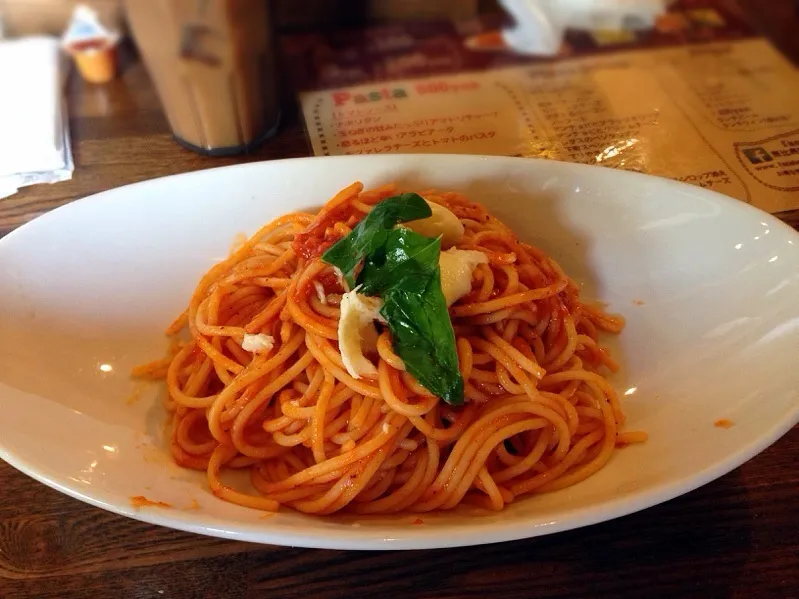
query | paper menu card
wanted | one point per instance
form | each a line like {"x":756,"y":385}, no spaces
{"x":723,"y":115}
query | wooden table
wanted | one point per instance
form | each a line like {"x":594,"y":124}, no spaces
{"x":736,"y":537}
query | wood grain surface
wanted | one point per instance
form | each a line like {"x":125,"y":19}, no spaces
{"x":737,"y":537}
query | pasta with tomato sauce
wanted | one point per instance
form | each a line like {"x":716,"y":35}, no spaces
{"x":393,"y":352}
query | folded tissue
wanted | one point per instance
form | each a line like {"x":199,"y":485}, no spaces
{"x":34,"y":135}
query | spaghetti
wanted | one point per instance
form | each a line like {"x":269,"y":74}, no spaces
{"x":539,"y":413}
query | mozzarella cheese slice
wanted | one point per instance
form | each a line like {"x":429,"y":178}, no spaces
{"x":457,"y":268}
{"x":356,"y":331}
{"x":442,"y":222}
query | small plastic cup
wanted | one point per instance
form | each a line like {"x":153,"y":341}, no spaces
{"x":96,"y":59}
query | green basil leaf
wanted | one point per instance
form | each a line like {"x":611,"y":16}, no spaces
{"x":423,"y":337}
{"x":371,"y":234}
{"x":407,"y":260}
{"x":402,"y":267}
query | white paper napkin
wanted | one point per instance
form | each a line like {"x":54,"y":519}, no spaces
{"x":34,"y":141}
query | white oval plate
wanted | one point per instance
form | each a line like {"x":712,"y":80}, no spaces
{"x":709,"y":287}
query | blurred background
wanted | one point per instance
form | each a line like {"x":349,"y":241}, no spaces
{"x":24,"y":17}
{"x":702,"y":91}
